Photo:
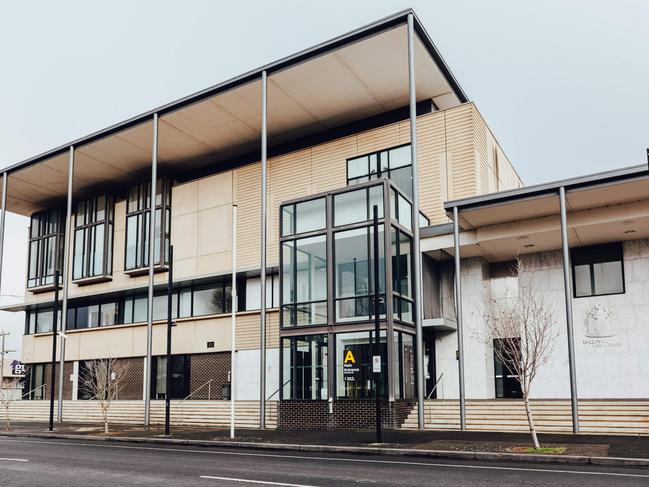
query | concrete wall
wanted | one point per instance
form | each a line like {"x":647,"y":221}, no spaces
{"x":608,"y":367}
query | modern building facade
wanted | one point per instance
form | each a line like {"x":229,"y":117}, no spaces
{"x":306,"y":148}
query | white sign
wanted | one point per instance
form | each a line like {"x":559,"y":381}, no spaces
{"x":376,"y":364}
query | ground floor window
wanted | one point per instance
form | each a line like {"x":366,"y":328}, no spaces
{"x":507,"y":384}
{"x":304,"y":361}
{"x":34,"y":384}
{"x":354,"y":353}
{"x":180,"y":377}
{"x":403,"y":371}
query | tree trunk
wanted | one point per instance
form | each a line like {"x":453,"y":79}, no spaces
{"x":530,"y":421}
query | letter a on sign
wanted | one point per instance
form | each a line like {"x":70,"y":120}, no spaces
{"x":349,"y":358}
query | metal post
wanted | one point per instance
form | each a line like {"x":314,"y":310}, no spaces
{"x":458,"y":314}
{"x":55,"y":331}
{"x":2,"y":221}
{"x":262,"y":344}
{"x":567,"y":288}
{"x":66,"y":276}
{"x":377,"y":326}
{"x":417,"y":281}
{"x":149,"y":327}
{"x":234,"y":320}
{"x":170,"y":284}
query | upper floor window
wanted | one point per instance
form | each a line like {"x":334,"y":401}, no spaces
{"x":93,"y":238}
{"x":598,"y":270}
{"x":45,"y":249}
{"x":395,"y":164}
{"x":137,"y":225}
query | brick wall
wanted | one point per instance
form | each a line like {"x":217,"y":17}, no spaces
{"x":293,"y":414}
{"x":206,"y":366}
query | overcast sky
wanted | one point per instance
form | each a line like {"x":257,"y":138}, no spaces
{"x":564,"y":84}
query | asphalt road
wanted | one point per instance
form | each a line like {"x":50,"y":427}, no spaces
{"x":34,"y":462}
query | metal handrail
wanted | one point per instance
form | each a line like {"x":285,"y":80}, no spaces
{"x":435,"y":386}
{"x":278,"y":389}
{"x":33,"y":390}
{"x":182,"y":401}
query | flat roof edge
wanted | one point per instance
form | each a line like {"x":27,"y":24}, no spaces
{"x":552,"y":187}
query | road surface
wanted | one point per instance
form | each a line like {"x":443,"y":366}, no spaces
{"x":34,"y":462}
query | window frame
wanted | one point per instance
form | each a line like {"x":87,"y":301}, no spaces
{"x":611,"y":248}
{"x":141,"y":214}
{"x":371,"y":176}
{"x":41,"y":239}
{"x":89,"y":226}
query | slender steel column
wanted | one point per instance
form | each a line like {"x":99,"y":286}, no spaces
{"x":458,"y":314}
{"x":149,"y":323}
{"x":262,"y":343}
{"x":567,"y":289}
{"x":2,"y":221}
{"x":417,"y":281}
{"x":233,"y":341}
{"x":66,"y":276}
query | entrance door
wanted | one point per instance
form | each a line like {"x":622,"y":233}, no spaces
{"x":507,"y":384}
{"x":429,"y":363}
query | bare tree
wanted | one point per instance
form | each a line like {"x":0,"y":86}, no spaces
{"x":103,"y":379}
{"x":523,"y":326}
{"x":6,"y":401}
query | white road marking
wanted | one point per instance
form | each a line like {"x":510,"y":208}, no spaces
{"x":14,"y":459}
{"x":334,"y":459}
{"x":246,"y":481}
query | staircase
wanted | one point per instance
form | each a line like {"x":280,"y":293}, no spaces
{"x":626,"y":417}
{"x":214,"y":414}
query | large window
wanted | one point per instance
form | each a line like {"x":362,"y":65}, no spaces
{"x":45,"y":249}
{"x":304,"y":270}
{"x":137,"y":225}
{"x":354,"y":271}
{"x":93,"y":239}
{"x":40,"y":320}
{"x":403,"y":301}
{"x":358,"y":383}
{"x":307,"y":216}
{"x":180,"y":377}
{"x":598,"y":270}
{"x":35,"y":382}
{"x":395,"y":164}
{"x":304,"y":363}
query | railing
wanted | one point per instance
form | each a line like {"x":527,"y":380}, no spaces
{"x":278,"y":389}
{"x":430,"y":421}
{"x":34,"y":390}
{"x":209,"y":396}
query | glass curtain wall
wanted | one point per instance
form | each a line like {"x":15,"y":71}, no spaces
{"x":304,"y":363}
{"x":93,"y":238}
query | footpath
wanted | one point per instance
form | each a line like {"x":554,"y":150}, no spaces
{"x":470,"y":445}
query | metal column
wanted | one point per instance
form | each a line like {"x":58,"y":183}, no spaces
{"x":2,"y":221}
{"x":458,"y":314}
{"x":149,"y":327}
{"x":419,"y":345}
{"x":567,"y":288}
{"x":262,"y":343}
{"x":234,"y":305}
{"x":66,"y":277}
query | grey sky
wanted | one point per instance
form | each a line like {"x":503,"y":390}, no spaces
{"x":563,"y":84}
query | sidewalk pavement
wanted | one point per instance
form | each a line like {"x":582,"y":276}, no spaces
{"x":596,"y":449}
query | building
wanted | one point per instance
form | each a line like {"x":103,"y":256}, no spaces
{"x":305,"y":148}
{"x":584,"y":248}
{"x":11,"y":378}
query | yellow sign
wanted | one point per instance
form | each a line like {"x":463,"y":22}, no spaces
{"x":349,"y":358}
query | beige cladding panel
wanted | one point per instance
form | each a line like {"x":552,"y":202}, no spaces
{"x":247,"y":196}
{"x":248,"y":336}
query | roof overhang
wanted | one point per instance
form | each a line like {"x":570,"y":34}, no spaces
{"x":354,"y":77}
{"x":606,"y":207}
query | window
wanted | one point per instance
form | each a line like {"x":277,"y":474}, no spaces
{"x":304,"y":365}
{"x":401,"y":210}
{"x":93,"y":238}
{"x":45,"y":249}
{"x":357,"y":206}
{"x":353,"y":273}
{"x":40,"y":320}
{"x":304,"y":270}
{"x":307,"y":216}
{"x":394,"y":163}
{"x":598,"y":270}
{"x":359,"y":384}
{"x":505,"y":352}
{"x":403,"y":302}
{"x":137,"y":225}
{"x":92,"y":316}
{"x":180,"y":377}
{"x":34,"y":385}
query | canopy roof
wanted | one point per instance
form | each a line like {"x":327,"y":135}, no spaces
{"x":611,"y":206}
{"x":350,"y":78}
